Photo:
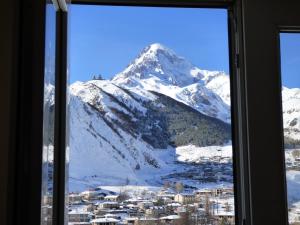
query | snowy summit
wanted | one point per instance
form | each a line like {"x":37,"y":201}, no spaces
{"x":162,"y":63}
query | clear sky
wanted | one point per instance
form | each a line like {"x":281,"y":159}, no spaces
{"x":105,"y":39}
{"x":290,"y":59}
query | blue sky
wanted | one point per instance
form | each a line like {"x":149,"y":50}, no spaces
{"x":106,"y":39}
{"x":290,"y":59}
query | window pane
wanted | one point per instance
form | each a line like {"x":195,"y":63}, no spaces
{"x":150,"y":126}
{"x":290,"y":71}
{"x":48,"y":123}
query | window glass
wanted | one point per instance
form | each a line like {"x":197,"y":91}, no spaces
{"x":290,"y":73}
{"x":48,"y":122}
{"x":150,"y":127}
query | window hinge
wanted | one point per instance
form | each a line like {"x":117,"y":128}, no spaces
{"x":235,"y":24}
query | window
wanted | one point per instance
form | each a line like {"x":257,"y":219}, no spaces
{"x":256,"y":117}
{"x":289,"y":49}
{"x":48,"y":123}
{"x":150,"y":130}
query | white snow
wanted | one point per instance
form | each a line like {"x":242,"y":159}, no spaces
{"x":159,"y":69}
{"x":291,"y":112}
{"x":196,"y":154}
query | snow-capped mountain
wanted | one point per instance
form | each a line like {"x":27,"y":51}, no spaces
{"x":160,"y":69}
{"x":162,"y":63}
{"x":218,"y":82}
{"x":134,"y":126}
{"x":136,"y":121}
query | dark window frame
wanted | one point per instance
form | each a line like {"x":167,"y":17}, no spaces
{"x":262,"y":22}
{"x":254,"y":40}
{"x":60,"y":121}
{"x":238,"y":145}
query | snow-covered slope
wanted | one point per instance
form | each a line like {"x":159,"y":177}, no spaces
{"x":219,"y":83}
{"x":291,"y":113}
{"x":96,"y":143}
{"x":139,"y":125}
{"x":133,"y":130}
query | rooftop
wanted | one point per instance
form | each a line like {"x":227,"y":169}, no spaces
{"x":104,"y":220}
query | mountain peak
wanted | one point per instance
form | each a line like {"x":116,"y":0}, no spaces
{"x":158,"y":53}
{"x":161,"y":63}
{"x":155,"y":47}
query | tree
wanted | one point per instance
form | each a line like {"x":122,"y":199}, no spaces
{"x":224,"y":221}
{"x":99,"y":77}
{"x":127,"y":181}
{"x":207,"y":206}
{"x":159,"y":202}
{"x":185,"y":218}
{"x":167,"y":184}
{"x":137,"y":167}
{"x":227,"y":207}
{"x":296,"y":153}
{"x":123,"y":196}
{"x":144,"y":193}
{"x":179,"y":187}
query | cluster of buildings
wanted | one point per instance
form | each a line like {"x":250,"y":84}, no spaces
{"x":293,"y":164}
{"x":164,"y":207}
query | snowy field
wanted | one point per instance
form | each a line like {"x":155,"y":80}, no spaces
{"x":183,"y":164}
{"x":194,"y":154}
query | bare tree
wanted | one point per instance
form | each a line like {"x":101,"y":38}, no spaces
{"x":179,"y":187}
{"x":167,"y":184}
{"x":186,"y":218}
{"x":296,"y":153}
{"x":207,"y":206}
{"x":224,"y":221}
{"x":123,"y":196}
{"x":99,"y":77}
{"x":227,"y":207}
{"x":144,"y":193}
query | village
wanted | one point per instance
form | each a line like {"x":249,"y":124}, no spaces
{"x":200,"y":194}
{"x":168,"y":206}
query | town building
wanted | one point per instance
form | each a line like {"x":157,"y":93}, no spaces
{"x":113,"y":198}
{"x":108,"y":205}
{"x":89,"y":195}
{"x":145,"y":204}
{"x":105,"y":221}
{"x":79,"y":223}
{"x":170,"y":219}
{"x":146,"y":221}
{"x":73,"y":198}
{"x":185,"y":198}
{"x":79,"y":216}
